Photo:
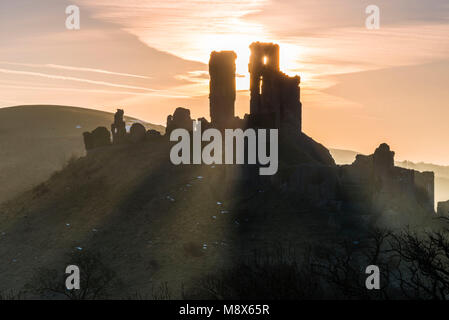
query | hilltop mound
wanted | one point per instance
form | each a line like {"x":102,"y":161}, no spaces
{"x":37,"y":140}
{"x":150,"y":219}
{"x":154,"y":222}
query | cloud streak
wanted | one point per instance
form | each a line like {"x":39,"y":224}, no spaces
{"x":59,"y":77}
{"x":110,"y":92}
{"x":71,"y":68}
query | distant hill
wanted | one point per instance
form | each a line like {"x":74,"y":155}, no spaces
{"x":441,"y":176}
{"x":441,"y":172}
{"x":37,"y":140}
{"x":343,"y":156}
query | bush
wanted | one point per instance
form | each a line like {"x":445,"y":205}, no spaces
{"x":273,"y":274}
{"x":412,"y":266}
{"x":423,"y":271}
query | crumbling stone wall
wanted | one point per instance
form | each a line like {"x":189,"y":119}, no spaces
{"x":375,"y":182}
{"x":100,"y":137}
{"x":137,"y":132}
{"x":152,"y":133}
{"x":180,"y":119}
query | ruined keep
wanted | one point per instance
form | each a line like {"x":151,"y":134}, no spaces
{"x":275,"y":97}
{"x":118,"y":128}
{"x":222,"y":88}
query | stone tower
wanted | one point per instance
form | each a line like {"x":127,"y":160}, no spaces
{"x":264,"y":62}
{"x":275,"y":97}
{"x":222,"y":87}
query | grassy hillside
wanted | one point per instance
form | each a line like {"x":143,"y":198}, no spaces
{"x":37,"y":140}
{"x":153,"y":222}
{"x":163,"y":231}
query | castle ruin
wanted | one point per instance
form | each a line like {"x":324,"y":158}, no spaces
{"x":371,"y":184}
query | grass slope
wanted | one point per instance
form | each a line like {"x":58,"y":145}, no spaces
{"x":37,"y":140}
{"x":153,"y":222}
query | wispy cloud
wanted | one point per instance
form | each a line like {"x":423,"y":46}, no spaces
{"x":109,"y":92}
{"x":71,"y":68}
{"x":190,"y":29}
{"x":309,"y":30}
{"x":59,"y":77}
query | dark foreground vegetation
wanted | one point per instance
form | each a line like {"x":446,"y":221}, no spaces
{"x":413,"y":265}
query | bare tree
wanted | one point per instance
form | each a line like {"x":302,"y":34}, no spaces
{"x":96,"y":278}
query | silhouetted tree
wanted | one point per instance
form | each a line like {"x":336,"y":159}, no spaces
{"x":96,"y":278}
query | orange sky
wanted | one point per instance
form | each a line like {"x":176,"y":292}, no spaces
{"x":359,"y":87}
